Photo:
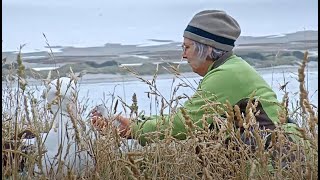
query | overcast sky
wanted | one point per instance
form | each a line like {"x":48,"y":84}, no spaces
{"x":90,"y":22}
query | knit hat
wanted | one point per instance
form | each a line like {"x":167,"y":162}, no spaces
{"x":214,"y":28}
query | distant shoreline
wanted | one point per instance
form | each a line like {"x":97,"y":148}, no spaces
{"x":112,"y":78}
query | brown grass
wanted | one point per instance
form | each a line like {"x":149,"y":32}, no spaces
{"x":203,"y":155}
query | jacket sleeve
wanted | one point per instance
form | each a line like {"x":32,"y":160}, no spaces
{"x":194,"y":108}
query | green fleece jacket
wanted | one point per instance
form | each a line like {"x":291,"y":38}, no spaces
{"x":229,"y":78}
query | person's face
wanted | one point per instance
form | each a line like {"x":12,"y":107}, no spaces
{"x":199,"y":66}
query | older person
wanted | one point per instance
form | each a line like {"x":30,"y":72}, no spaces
{"x":208,"y":45}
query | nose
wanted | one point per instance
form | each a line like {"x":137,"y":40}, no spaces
{"x":183,"y":54}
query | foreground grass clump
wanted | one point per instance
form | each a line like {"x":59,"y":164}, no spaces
{"x":221,"y":153}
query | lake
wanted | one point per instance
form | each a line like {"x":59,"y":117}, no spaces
{"x":99,"y":93}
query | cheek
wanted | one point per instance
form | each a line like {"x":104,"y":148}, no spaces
{"x":193,"y":60}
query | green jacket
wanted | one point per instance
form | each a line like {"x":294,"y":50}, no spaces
{"x":230,"y":78}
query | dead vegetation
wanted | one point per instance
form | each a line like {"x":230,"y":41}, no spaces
{"x":222,"y":153}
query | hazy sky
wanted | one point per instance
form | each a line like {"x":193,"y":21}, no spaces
{"x":96,"y":22}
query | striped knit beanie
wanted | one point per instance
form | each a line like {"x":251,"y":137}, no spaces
{"x":214,"y":28}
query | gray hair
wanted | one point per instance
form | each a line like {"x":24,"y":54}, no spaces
{"x":202,"y":50}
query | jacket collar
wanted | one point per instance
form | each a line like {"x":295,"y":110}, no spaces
{"x":221,"y":60}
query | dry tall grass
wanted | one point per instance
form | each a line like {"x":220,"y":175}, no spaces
{"x":254,"y":154}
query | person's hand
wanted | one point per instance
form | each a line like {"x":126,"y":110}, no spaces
{"x":124,"y":126}
{"x":100,"y":122}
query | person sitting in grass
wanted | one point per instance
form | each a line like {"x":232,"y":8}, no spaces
{"x":208,"y":44}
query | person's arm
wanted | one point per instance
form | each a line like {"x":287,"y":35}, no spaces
{"x":194,"y":109}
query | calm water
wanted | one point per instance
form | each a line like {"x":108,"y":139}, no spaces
{"x":101,"y":92}
{"x":98,"y":93}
